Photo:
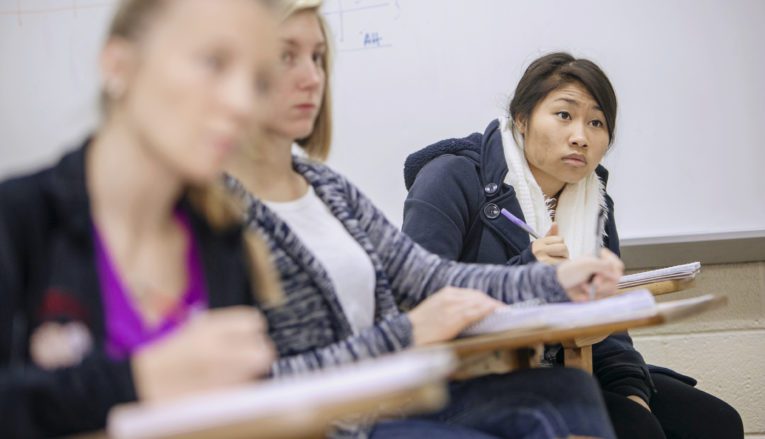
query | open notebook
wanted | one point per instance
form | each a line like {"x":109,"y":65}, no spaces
{"x":633,"y":305}
{"x":338,"y":385}
{"x":677,"y":272}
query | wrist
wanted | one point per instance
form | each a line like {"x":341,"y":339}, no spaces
{"x":141,"y":368}
{"x":416,"y":334}
{"x":149,"y":379}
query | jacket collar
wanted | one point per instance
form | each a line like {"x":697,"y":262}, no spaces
{"x":67,"y":189}
{"x":497,"y":194}
{"x":493,"y":165}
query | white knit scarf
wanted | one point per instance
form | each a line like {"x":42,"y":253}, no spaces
{"x":579,"y":205}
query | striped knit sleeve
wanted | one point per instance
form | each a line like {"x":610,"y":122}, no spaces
{"x":416,"y":273}
{"x":390,"y":335}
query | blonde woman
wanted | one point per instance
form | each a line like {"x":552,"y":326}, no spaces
{"x":109,"y":261}
{"x":356,"y":287}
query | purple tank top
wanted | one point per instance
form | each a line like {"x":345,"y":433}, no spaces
{"x":125,"y":329}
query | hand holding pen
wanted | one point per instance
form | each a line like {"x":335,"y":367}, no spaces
{"x":550,"y":249}
{"x":584,"y":278}
{"x":588,"y":277}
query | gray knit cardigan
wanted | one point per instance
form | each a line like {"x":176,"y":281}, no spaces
{"x":310,"y":329}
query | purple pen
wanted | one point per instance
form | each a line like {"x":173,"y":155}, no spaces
{"x":518,"y":222}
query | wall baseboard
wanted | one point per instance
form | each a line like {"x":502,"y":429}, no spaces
{"x":719,"y":248}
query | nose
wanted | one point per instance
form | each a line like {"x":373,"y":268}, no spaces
{"x":238,"y":97}
{"x":310,"y":75}
{"x":578,"y":136}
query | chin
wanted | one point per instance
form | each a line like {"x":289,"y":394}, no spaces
{"x":574,"y":177}
{"x":302,"y":134}
{"x":202,"y":178}
{"x":204,"y":173}
{"x":301,"y":130}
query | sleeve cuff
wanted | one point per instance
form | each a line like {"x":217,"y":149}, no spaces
{"x":550,"y":288}
{"x":398,"y":330}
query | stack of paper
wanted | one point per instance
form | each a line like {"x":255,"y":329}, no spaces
{"x":678,"y":272}
{"x":339,"y":385}
{"x":632,"y":305}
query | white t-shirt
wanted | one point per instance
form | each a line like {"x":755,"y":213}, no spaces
{"x":347,"y":264}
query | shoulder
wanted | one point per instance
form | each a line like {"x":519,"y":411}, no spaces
{"x":317,"y":173}
{"x":327,"y":182}
{"x":34,"y":204}
{"x":25,"y":228}
{"x":25,"y":198}
{"x":450,"y":166}
{"x":60,"y":182}
{"x":467,"y":147}
{"x":448,"y":176}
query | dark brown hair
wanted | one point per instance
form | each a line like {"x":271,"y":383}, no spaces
{"x":555,"y":70}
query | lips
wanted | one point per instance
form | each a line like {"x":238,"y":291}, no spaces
{"x":224,"y":144}
{"x":306,"y":107}
{"x":576,"y":160}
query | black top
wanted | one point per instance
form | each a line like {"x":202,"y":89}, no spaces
{"x":48,"y":273}
{"x":456,"y":191}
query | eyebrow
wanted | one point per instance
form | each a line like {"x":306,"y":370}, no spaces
{"x":577,"y":103}
{"x":292,"y":42}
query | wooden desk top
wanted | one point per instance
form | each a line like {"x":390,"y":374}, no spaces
{"x":520,"y":339}
{"x":314,"y":422}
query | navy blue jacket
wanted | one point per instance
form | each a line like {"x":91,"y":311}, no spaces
{"x":48,"y":273}
{"x":456,"y":190}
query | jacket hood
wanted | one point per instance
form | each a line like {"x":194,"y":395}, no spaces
{"x":469,"y":147}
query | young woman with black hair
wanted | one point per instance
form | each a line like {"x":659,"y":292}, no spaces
{"x":541,"y":163}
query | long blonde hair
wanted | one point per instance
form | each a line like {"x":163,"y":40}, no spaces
{"x":213,"y":201}
{"x":317,"y":145}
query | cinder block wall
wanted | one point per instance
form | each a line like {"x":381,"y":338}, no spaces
{"x":723,"y":349}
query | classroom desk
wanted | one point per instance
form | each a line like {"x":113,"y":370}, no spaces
{"x":314,"y":422}
{"x":502,"y":352}
{"x":299,"y":406}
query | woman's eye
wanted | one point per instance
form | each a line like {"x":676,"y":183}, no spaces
{"x":288,"y":57}
{"x":318,"y":58}
{"x":597,"y":123}
{"x":565,"y":115}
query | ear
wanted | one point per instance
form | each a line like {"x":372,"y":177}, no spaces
{"x":117,"y":62}
{"x":520,"y":124}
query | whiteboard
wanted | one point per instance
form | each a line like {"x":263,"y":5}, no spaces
{"x":688,"y":74}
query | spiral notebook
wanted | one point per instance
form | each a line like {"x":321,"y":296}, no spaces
{"x":677,"y":272}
